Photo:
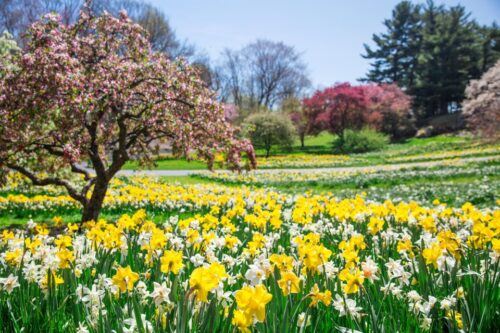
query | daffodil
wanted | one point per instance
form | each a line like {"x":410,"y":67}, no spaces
{"x":205,"y":279}
{"x":317,"y":296}
{"x":252,"y":301}
{"x":171,"y":261}
{"x":125,"y":278}
{"x":432,"y":254}
{"x":289,"y":283}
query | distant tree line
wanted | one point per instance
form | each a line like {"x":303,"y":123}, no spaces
{"x":16,"y":16}
{"x":432,"y":52}
{"x":420,"y":67}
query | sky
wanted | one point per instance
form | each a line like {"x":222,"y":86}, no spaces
{"x":328,"y":33}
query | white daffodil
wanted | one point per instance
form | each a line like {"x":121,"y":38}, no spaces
{"x":160,"y":294}
{"x":9,"y":283}
{"x":255,"y":275}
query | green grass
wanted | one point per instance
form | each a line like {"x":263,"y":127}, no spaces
{"x":186,"y":180}
{"x":320,"y":144}
{"x":323,"y":144}
{"x":74,"y":216}
{"x":170,"y":164}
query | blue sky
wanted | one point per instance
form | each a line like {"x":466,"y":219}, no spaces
{"x":329,"y":33}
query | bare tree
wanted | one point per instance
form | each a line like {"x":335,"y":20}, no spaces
{"x":17,"y":15}
{"x":263,"y":74}
{"x":161,"y":35}
{"x":230,"y":72}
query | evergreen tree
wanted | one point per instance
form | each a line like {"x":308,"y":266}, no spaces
{"x":489,"y":41}
{"x":395,"y":56}
{"x":449,"y":57}
{"x":432,"y":52}
{"x":429,"y":71}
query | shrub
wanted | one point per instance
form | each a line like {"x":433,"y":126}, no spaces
{"x":389,"y":110}
{"x":268,"y":129}
{"x":362,"y":141}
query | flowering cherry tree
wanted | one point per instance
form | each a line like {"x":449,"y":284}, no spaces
{"x":95,"y":92}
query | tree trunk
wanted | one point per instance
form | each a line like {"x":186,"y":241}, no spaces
{"x":302,"y":141}
{"x":341,"y":141}
{"x":93,"y":207}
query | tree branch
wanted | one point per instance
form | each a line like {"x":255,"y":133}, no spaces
{"x":49,"y":181}
{"x":77,"y":169}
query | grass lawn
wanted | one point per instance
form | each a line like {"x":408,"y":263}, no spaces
{"x":322,"y":145}
{"x":170,"y":164}
{"x":319,"y":144}
{"x":75,"y":217}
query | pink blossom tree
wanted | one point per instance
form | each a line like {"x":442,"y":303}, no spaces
{"x":481,"y":109}
{"x":389,"y":110}
{"x":338,"y":108}
{"x":230,"y":112}
{"x":94,"y":91}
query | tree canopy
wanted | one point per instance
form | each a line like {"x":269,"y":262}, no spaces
{"x":338,"y":108}
{"x":384,"y":107}
{"x":16,"y":16}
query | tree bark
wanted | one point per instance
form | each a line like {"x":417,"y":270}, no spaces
{"x":92,"y":209}
{"x":341,"y":139}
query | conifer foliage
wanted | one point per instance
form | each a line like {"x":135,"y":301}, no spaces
{"x":432,"y":52}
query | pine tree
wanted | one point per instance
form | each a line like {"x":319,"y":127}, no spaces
{"x":432,"y":52}
{"x":396,"y":52}
{"x":449,"y":58}
{"x":429,"y":71}
{"x":489,"y":40}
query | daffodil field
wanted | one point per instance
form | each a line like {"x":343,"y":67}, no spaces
{"x":147,"y":187}
{"x":213,"y":258}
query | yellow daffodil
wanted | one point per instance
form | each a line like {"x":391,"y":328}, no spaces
{"x":125,"y":278}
